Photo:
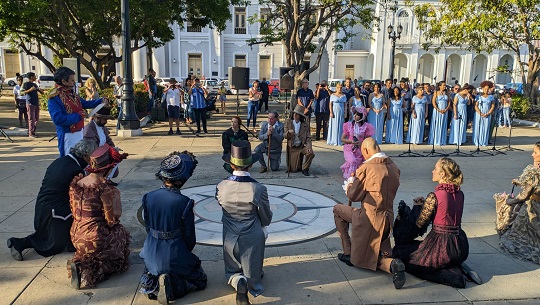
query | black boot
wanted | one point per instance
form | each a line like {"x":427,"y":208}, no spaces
{"x":242,"y":292}
{"x":16,"y":247}
{"x":398,"y":273}
{"x":75,"y":276}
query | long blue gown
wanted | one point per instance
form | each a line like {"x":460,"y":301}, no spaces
{"x":394,"y":125}
{"x":377,"y":120}
{"x":439,"y":122}
{"x":458,"y":128}
{"x":335,"y":126}
{"x":416,"y":128}
{"x":481,"y":125}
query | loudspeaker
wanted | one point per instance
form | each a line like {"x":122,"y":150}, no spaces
{"x":239,"y":77}
{"x":286,"y":82}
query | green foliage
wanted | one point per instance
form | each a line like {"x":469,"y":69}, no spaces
{"x":141,"y":98}
{"x":87,"y":29}
{"x":485,"y":25}
{"x":520,"y":105}
{"x":305,"y":27}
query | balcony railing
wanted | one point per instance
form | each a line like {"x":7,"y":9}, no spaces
{"x":240,"y":30}
{"x":192,"y":28}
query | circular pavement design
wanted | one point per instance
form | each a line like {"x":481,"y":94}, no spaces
{"x":299,"y":215}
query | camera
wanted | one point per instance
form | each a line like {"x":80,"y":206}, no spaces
{"x":197,"y":84}
{"x":355,"y":147}
{"x":322,"y":86}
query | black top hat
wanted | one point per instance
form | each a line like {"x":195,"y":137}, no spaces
{"x":241,"y":154}
{"x":177,"y":166}
{"x":104,"y":112}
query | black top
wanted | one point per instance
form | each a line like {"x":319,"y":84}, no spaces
{"x":33,"y":98}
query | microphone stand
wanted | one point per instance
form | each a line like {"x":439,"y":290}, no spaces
{"x":493,"y":149}
{"x":508,"y":147}
{"x":433,"y":153}
{"x":477,"y":151}
{"x":409,"y":152}
{"x":457,"y":152}
{"x":4,"y":133}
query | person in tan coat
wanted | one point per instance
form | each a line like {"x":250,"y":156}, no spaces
{"x":298,"y":138}
{"x":375,"y":184}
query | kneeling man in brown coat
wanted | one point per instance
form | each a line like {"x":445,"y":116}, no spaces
{"x":375,"y":184}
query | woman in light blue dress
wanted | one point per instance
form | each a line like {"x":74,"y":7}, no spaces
{"x":484,"y":107}
{"x":358,"y":100}
{"x":439,"y":121}
{"x":394,"y":122}
{"x":338,"y":100}
{"x":418,"y":120}
{"x":458,"y":128}
{"x":377,"y":112}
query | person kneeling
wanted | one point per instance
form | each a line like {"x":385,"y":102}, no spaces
{"x":298,"y":138}
{"x":171,"y":269}
{"x":246,"y":213}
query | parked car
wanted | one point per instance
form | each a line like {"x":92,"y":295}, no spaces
{"x":515,"y":87}
{"x":333,"y":82}
{"x":45,"y":81}
{"x":163,"y":80}
{"x":210,"y":85}
{"x":12,"y":81}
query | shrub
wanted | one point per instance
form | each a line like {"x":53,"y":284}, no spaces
{"x":520,"y":105}
{"x":141,"y":98}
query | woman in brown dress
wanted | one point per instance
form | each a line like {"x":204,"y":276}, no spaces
{"x":101,"y":242}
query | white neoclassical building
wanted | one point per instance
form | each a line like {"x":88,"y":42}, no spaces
{"x":204,"y":52}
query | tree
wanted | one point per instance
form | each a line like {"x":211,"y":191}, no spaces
{"x":486,"y":25}
{"x":305,"y":27}
{"x":87,"y":29}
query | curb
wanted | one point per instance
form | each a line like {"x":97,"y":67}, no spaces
{"x":527,"y":123}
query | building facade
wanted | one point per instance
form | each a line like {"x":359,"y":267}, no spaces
{"x":206,"y":53}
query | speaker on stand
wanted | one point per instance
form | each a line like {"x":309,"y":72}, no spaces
{"x":286,"y":82}
{"x":238,"y":80}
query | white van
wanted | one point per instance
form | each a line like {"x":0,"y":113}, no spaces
{"x":333,"y":82}
{"x":45,"y":81}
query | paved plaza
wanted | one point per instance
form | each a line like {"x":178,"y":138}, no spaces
{"x":301,"y":265}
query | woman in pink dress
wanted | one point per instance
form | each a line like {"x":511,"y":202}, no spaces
{"x":354,"y":133}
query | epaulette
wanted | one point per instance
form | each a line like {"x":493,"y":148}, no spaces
{"x":53,"y":93}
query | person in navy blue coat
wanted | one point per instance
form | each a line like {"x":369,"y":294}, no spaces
{"x":171,"y":269}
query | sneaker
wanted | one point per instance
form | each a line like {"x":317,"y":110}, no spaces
{"x":264,"y":169}
{"x":178,"y":132}
{"x":75,"y":276}
{"x":165,"y":289}
{"x":170,"y":132}
{"x":242,"y":292}
{"x":398,"y":273}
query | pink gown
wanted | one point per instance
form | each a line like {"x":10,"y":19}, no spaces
{"x":353,"y":157}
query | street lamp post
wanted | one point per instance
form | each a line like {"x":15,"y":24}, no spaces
{"x":129,"y":122}
{"x":393,"y":36}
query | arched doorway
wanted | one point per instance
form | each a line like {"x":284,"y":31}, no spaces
{"x":506,"y":62}
{"x":479,"y":70}
{"x":453,"y":69}
{"x":400,"y":66}
{"x":426,"y":63}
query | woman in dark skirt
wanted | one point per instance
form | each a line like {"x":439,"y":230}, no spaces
{"x":439,"y":256}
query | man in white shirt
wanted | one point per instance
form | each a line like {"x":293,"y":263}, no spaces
{"x":172,"y":97}
{"x":118,"y":92}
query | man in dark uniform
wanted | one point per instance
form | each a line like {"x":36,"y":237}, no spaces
{"x":52,"y":219}
{"x":265,"y":93}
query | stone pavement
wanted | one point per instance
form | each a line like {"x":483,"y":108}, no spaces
{"x":301,"y":273}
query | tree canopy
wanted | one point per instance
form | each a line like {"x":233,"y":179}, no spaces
{"x":304,"y":27}
{"x":486,"y":25}
{"x":87,"y":29}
